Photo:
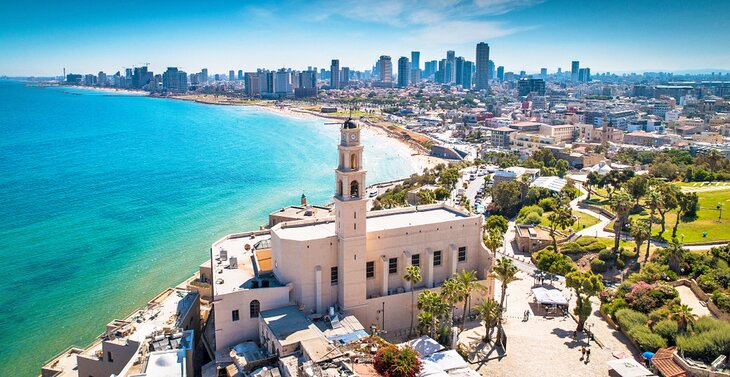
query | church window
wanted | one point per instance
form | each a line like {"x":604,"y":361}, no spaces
{"x":437,"y":258}
{"x":333,"y":275}
{"x":393,"y":266}
{"x":353,"y":162}
{"x":354,"y":189}
{"x":462,"y":254}
{"x":370,"y":270}
{"x":416,"y":260}
{"x":339,"y":187}
{"x":254,"y":308}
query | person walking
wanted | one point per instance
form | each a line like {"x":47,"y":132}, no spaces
{"x":588,"y":355}
{"x":582,"y":353}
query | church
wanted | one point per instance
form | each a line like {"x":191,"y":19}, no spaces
{"x":350,"y":263}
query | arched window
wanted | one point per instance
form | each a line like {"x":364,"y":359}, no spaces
{"x":339,"y":188}
{"x":342,"y":160}
{"x":254,"y":309}
{"x":354,"y":189}
{"x":353,"y":162}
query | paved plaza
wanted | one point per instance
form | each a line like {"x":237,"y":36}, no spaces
{"x":542,"y":345}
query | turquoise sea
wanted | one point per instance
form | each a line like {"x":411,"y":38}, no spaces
{"x":106,"y":199}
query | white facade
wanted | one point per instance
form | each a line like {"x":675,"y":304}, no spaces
{"x":354,"y":261}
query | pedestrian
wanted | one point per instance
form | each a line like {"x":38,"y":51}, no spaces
{"x":575,"y":335}
{"x":582,"y":352}
{"x":588,"y":355}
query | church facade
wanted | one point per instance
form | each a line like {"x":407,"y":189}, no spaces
{"x":351,"y":263}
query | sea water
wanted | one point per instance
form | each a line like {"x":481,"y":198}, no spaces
{"x":106,"y":199}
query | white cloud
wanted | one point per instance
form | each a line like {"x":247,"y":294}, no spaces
{"x":450,"y":32}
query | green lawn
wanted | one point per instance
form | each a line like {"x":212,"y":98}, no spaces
{"x":583,"y":219}
{"x":707,"y":220}
{"x":609,"y":242}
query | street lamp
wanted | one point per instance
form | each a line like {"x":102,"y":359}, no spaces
{"x":719,"y":208}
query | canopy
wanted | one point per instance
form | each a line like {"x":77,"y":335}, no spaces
{"x":647,"y":355}
{"x":448,"y":360}
{"x":549,"y":296}
{"x":425,"y":346}
{"x":629,"y":368}
{"x":431,"y":369}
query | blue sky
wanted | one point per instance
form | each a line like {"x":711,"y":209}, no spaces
{"x":40,"y":38}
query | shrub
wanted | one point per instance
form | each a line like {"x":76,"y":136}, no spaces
{"x":584,"y":241}
{"x":629,"y":319}
{"x":594,"y":247}
{"x":528,"y":209}
{"x":548,"y":204}
{"x":605,"y":255}
{"x":647,"y":340}
{"x":721,"y":300}
{"x":628,"y":254}
{"x":617,"y":304}
{"x":391,"y":361}
{"x":708,"y":283}
{"x":667,"y":329}
{"x":660,"y":314}
{"x":710,"y":338}
{"x":532,"y":218}
{"x":620,"y":263}
{"x":571,"y":248}
{"x":554,"y":262}
{"x":598,"y":266}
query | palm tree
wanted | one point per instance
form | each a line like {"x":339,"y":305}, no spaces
{"x":686,"y":204}
{"x":413,"y":277}
{"x":493,"y":240}
{"x":468,"y":282}
{"x":621,"y":204}
{"x":682,"y":314}
{"x":713,"y":157}
{"x":433,"y":307}
{"x":489,"y":313}
{"x":451,"y":293}
{"x":592,"y":181}
{"x":654,"y":201}
{"x":506,"y":272}
{"x":640,"y":232}
{"x":675,"y":254}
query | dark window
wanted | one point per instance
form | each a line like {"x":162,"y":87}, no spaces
{"x":416,"y":260}
{"x":370,"y":270}
{"x":109,"y":357}
{"x":393,"y":266}
{"x":333,"y":276}
{"x":254,"y":308}
{"x":462,"y":253}
{"x":437,"y":258}
{"x":235,"y":316}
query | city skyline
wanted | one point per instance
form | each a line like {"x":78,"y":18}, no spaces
{"x":522,"y":34}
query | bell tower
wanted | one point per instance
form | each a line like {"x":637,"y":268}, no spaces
{"x":350,"y":218}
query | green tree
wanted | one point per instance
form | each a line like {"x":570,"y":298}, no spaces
{"x":506,"y":197}
{"x":586,"y":285}
{"x":561,"y":217}
{"x":621,"y":204}
{"x":468,"y":282}
{"x":682,"y":314}
{"x":675,"y":255}
{"x":451,"y":293}
{"x":496,"y":222}
{"x":640,"y":231}
{"x":506,"y":272}
{"x":489,"y":313}
{"x":653,"y":200}
{"x":670,"y":194}
{"x":413,"y":277}
{"x":687,"y":204}
{"x":441,"y":193}
{"x":493,"y":240}
{"x":392,"y":361}
{"x":637,"y":187}
{"x":426,"y":197}
{"x":433,"y":308}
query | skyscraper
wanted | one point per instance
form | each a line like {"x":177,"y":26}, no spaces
{"x":490,"y":70}
{"x":500,"y":73}
{"x":404,"y":72}
{"x":386,"y":69}
{"x":345,"y":77}
{"x":574,"y":68}
{"x":466,"y":80}
{"x":175,"y":80}
{"x":240,"y":74}
{"x":543,"y":73}
{"x":231,"y":75}
{"x":415,"y":59}
{"x":204,"y":75}
{"x":482,"y":67}
{"x":450,"y":67}
{"x":335,"y":74}
{"x":459,"y":70}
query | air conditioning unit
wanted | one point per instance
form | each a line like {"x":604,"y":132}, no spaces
{"x":224,"y":254}
{"x":233,"y":263}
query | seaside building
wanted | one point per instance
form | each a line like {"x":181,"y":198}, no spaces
{"x":350,"y":263}
{"x":404,"y":72}
{"x":335,"y":74}
{"x":386,"y":70}
{"x":175,"y":80}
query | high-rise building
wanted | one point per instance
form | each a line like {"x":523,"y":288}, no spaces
{"x":204,"y":75}
{"x":500,"y":73}
{"x":415,"y":60}
{"x":282,"y":83}
{"x":404,"y":72}
{"x":141,"y":77}
{"x":574,"y":68}
{"x":450,"y":67}
{"x":490,"y":70}
{"x":101,"y":79}
{"x":466,"y":80}
{"x":240,"y":74}
{"x":175,"y":80}
{"x":386,"y":69}
{"x":307,"y":84}
{"x":231,"y":75}
{"x":252,"y":84}
{"x":345,"y":77}
{"x":527,"y":86}
{"x":459,"y":70}
{"x":584,"y":75}
{"x":415,"y":76}
{"x":430,"y":68}
{"x":335,"y":74}
{"x":543,"y":73}
{"x":481,"y":79}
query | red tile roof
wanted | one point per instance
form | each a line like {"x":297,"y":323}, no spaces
{"x":663,"y":360}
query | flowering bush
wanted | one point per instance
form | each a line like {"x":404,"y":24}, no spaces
{"x":390,"y":361}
